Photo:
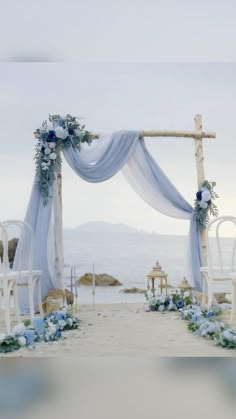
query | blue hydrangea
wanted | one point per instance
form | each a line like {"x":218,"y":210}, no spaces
{"x":51,"y":136}
{"x":199,"y":195}
{"x":179,"y":303}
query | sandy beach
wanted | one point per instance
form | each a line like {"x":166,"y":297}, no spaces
{"x":126,"y":330}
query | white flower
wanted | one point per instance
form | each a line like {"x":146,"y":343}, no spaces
{"x":18,"y":330}
{"x":228,"y":335}
{"x":69,"y":322}
{"x":150,"y":294}
{"x":206,"y":195}
{"x":203,"y":204}
{"x":52,"y":328}
{"x":52,"y":145}
{"x":162,"y":298}
{"x":45,"y":166}
{"x":161,"y":307}
{"x":50,"y":126}
{"x":171,"y":306}
{"x":186,"y":294}
{"x":53,"y":156}
{"x":22,"y":341}
{"x":153,"y":301}
{"x":61,"y":324}
{"x":47,"y":150}
{"x":61,"y":132}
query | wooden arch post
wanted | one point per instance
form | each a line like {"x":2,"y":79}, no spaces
{"x":200,"y":175}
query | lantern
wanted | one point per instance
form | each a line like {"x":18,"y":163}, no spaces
{"x":157,"y":273}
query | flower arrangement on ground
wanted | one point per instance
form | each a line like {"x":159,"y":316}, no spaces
{"x":208,"y":324}
{"x":202,"y":321}
{"x":204,"y":205}
{"x":27,"y":334}
{"x":55,"y":135}
{"x":173,"y":302}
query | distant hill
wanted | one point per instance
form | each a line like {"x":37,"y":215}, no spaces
{"x":103,"y":227}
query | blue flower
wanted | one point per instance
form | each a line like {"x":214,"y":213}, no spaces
{"x":199,"y":195}
{"x":179,"y":303}
{"x":29,"y":336}
{"x":51,"y":136}
{"x":195,"y":317}
{"x":71,"y":131}
{"x":58,"y":333}
{"x":167,"y":302}
{"x":60,"y":315}
{"x":44,"y":136}
{"x":210,"y":313}
{"x":61,"y":123}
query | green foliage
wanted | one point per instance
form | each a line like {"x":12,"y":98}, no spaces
{"x":193,"y":326}
{"x":202,"y":215}
{"x":9,"y":344}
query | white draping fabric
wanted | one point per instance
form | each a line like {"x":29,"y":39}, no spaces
{"x":97,"y":163}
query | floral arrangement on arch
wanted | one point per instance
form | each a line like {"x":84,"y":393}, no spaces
{"x":204,"y":205}
{"x":55,"y":135}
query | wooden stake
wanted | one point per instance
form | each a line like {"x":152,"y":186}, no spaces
{"x":200,"y":175}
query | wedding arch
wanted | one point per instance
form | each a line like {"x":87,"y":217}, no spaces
{"x":97,"y":161}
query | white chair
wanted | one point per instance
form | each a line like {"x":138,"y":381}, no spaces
{"x":22,"y":270}
{"x":220,"y":266}
{"x":8,"y":284}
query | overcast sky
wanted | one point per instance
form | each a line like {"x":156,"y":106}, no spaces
{"x":119,"y":95}
{"x":120,"y":30}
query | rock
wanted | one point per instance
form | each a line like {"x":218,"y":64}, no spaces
{"x":220,"y":297}
{"x":168,"y":286}
{"x":133,"y":290}
{"x":58,"y":295}
{"x":12,"y":245}
{"x":100,"y":279}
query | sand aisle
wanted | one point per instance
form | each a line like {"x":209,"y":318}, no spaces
{"x":125,"y":330}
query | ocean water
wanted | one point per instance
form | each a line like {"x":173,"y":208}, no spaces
{"x":128,"y":257}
